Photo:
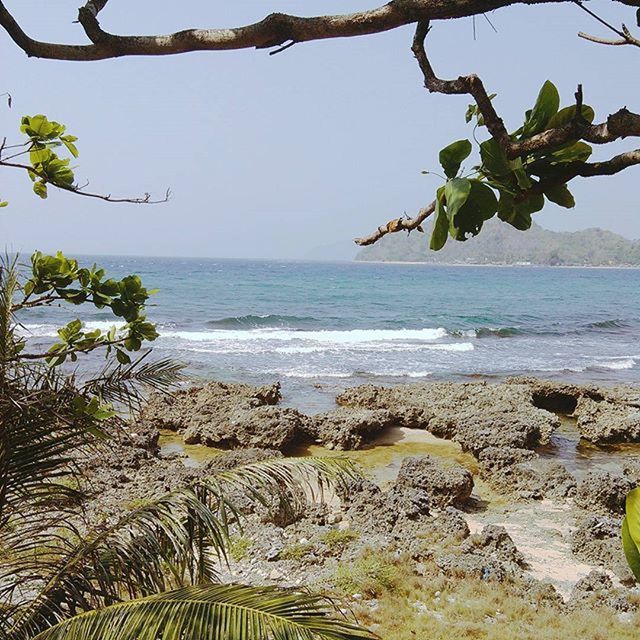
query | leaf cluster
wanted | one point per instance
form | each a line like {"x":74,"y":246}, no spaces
{"x":46,"y":165}
{"x":57,"y":277}
{"x":512,"y":189}
{"x":631,"y":532}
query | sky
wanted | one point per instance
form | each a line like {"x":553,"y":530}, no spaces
{"x":288,"y":156}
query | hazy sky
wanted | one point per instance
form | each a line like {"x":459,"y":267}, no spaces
{"x":293,"y":155}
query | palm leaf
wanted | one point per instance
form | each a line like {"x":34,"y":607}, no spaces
{"x":125,"y":384}
{"x":217,"y":612}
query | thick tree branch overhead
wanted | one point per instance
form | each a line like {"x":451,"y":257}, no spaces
{"x":273,"y":31}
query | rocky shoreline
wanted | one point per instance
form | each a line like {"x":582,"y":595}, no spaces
{"x":512,"y":514}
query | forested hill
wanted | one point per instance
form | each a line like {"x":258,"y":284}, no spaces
{"x":500,"y":243}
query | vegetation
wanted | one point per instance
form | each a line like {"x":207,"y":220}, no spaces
{"x":239,"y":547}
{"x":370,"y":575}
{"x":151,"y":572}
{"x":37,"y":156}
{"x":631,"y":532}
{"x":502,"y":244}
{"x":440,"y":608}
{"x":337,"y":540}
{"x":296,"y":551}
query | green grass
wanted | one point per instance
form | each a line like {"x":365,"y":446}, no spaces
{"x":296,"y":551}
{"x":371,"y":575}
{"x":239,"y":548}
{"x":337,"y":540}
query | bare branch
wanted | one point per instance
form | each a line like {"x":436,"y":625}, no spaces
{"x":273,"y":31}
{"x":145,"y":199}
{"x":398,"y":224}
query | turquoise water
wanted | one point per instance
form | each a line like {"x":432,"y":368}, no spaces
{"x":318,"y":327}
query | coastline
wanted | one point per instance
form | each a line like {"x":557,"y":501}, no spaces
{"x":492,"y":265}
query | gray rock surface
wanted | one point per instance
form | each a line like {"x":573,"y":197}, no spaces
{"x":348,"y":429}
{"x":604,"y":492}
{"x":609,"y":421}
{"x":227,"y":415}
{"x":445,"y":485}
{"x":477,"y":415}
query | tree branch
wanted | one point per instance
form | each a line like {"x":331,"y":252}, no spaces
{"x":621,"y":124}
{"x":273,"y":31}
{"x":146,"y":199}
{"x":398,"y":224}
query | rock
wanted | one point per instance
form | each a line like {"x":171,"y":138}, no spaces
{"x":346,"y":429}
{"x":367,"y":507}
{"x":494,"y":540}
{"x":408,"y":502}
{"x":232,"y":459}
{"x":477,"y":415}
{"x":263,"y":427}
{"x":227,"y":416}
{"x":544,"y":478}
{"x":597,"y":590}
{"x":608,"y":422}
{"x":603,"y":492}
{"x":597,"y":541}
{"x":489,"y":555}
{"x":445,"y":485}
{"x":498,"y":459}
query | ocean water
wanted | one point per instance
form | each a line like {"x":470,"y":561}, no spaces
{"x":320,"y":327}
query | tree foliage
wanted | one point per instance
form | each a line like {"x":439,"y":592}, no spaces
{"x":513,"y":189}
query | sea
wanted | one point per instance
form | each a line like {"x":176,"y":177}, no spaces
{"x":318,"y":327}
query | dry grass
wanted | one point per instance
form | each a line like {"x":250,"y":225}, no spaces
{"x":439,"y":608}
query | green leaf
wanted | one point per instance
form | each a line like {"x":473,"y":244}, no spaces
{"x":456,"y":192}
{"x":494,"y":159}
{"x":566,"y":115}
{"x":68,"y":142}
{"x":232,"y":612}
{"x":632,"y":508}
{"x":440,"y":230}
{"x":577,"y":152}
{"x":545,"y":108}
{"x":561,"y":195}
{"x":452,"y":156}
{"x":3,"y":203}
{"x":518,"y":214}
{"x":40,"y":189}
{"x":631,"y":551}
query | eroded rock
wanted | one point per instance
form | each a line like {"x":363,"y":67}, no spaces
{"x":445,"y":485}
{"x":607,"y":421}
{"x":604,"y":492}
{"x":477,"y":415}
{"x":346,"y":429}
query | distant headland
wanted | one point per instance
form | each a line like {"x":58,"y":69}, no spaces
{"x":501,"y":244}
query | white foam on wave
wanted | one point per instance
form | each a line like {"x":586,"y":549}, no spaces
{"x":618,"y":364}
{"x":51,"y":330}
{"x":352,"y":336}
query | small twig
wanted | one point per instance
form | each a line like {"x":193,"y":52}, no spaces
{"x":624,"y":33}
{"x":284,"y":47}
{"x":146,"y":199}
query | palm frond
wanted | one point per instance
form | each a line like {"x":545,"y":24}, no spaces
{"x":217,"y":612}
{"x":295,"y":482}
{"x":8,"y":289}
{"x":171,"y":541}
{"x":126,"y":384}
